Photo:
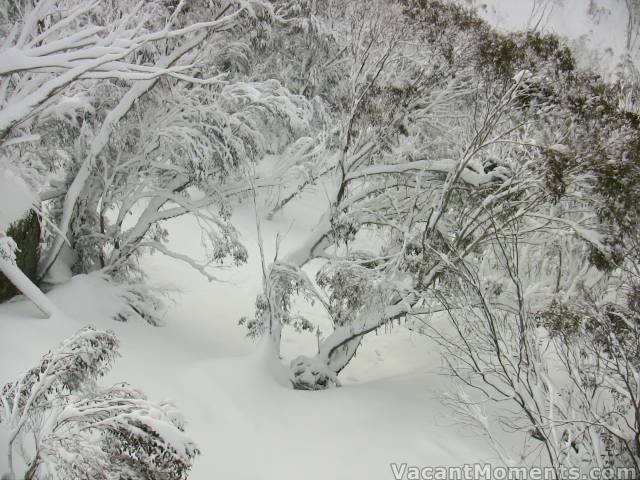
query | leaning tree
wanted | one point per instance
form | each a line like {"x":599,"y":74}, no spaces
{"x":430,"y":152}
{"x":114,"y":111}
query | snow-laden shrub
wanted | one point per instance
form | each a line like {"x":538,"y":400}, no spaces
{"x":66,"y":426}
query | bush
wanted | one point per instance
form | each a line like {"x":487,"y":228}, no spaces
{"x":64,"y":425}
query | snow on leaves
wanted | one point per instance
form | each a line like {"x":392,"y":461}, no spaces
{"x":82,"y":429}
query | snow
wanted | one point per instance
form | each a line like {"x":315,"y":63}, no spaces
{"x":16,"y":198}
{"x":237,"y":404}
{"x":600,"y":39}
{"x":236,"y":400}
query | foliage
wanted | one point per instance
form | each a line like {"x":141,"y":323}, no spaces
{"x":123,"y":116}
{"x":26,"y":234}
{"x":65,"y":425}
{"x":482,"y":188}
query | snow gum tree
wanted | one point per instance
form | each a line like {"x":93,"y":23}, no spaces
{"x":486,"y":166}
{"x":115,"y":111}
{"x":500,"y":183}
{"x":540,"y":323}
{"x":430,"y":184}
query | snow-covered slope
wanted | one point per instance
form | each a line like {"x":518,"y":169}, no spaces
{"x":244,"y":418}
{"x":245,"y":421}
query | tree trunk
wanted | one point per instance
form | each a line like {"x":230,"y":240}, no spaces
{"x":27,"y":287}
{"x":26,"y":234}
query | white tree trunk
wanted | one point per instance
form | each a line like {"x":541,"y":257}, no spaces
{"x":27,"y":288}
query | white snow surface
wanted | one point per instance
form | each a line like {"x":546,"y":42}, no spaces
{"x":16,"y":197}
{"x":239,"y":409}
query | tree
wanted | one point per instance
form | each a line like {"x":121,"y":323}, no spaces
{"x":562,"y":371}
{"x":93,"y":80}
{"x":453,"y":198}
{"x":541,"y":322}
{"x":64,"y":425}
{"x":401,"y":167}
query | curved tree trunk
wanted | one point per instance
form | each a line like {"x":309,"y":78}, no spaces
{"x":339,"y":348}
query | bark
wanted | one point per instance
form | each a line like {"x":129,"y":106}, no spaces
{"x":26,"y":234}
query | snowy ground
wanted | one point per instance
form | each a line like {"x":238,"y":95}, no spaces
{"x":247,"y":424}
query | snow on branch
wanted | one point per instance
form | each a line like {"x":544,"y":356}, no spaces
{"x":84,"y":430}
